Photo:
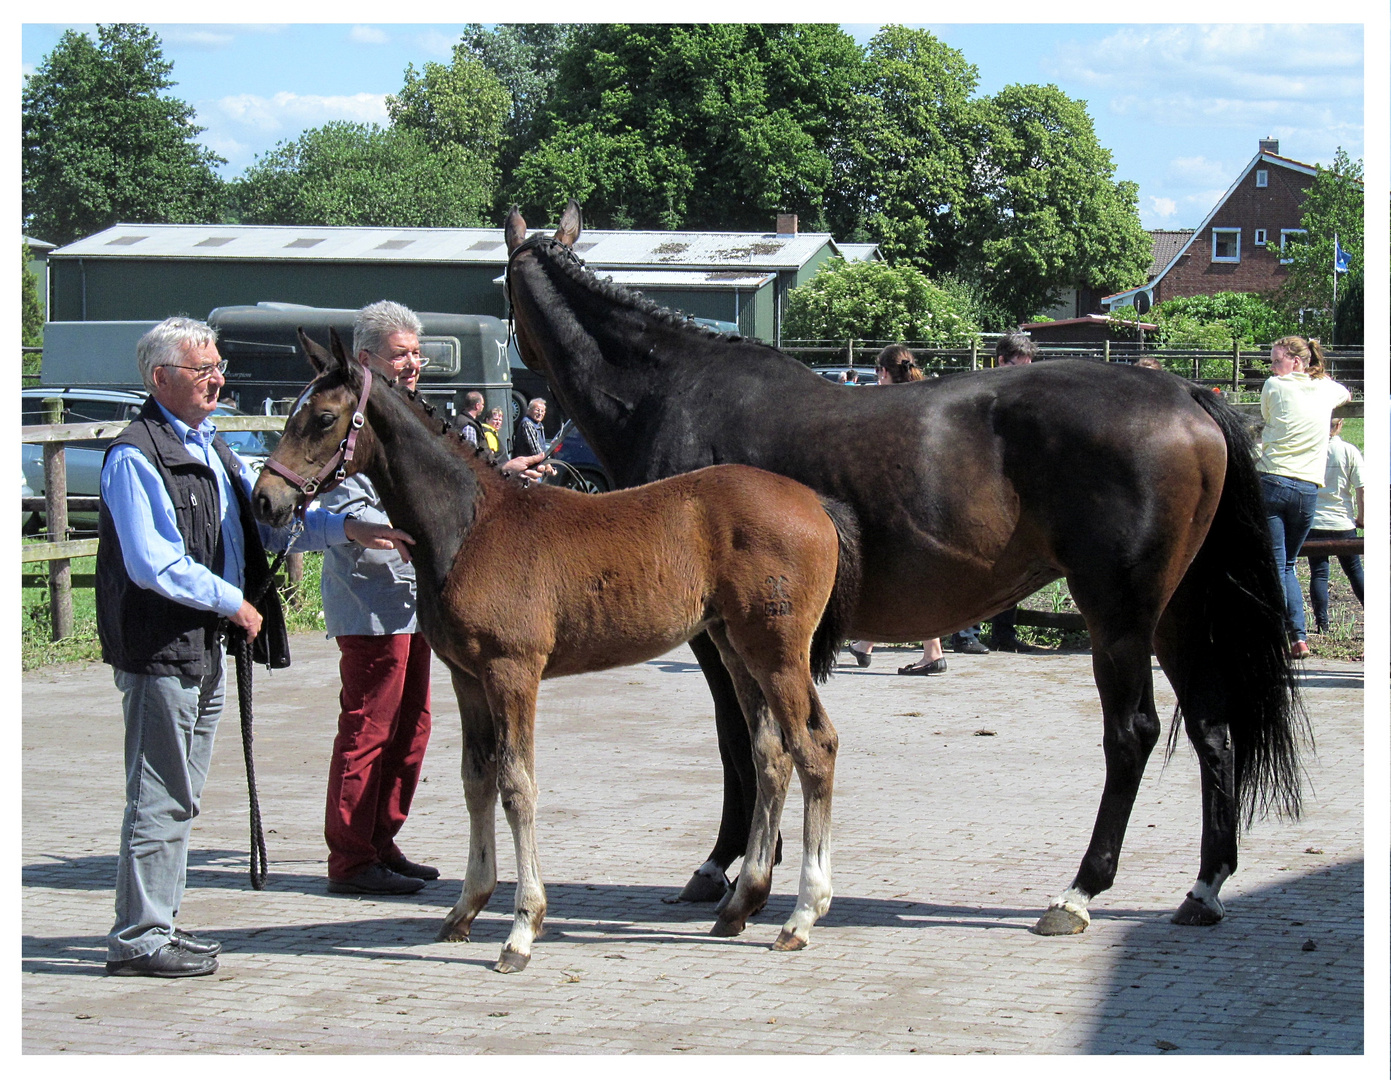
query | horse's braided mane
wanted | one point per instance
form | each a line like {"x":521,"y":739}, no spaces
{"x":611,"y":291}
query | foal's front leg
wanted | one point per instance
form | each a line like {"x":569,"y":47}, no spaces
{"x":511,"y":687}
{"x":479,"y":771}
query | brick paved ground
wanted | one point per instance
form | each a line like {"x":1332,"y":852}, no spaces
{"x":948,"y":843}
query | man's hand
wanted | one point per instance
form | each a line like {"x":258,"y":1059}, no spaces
{"x":381,"y":537}
{"x":249,"y":619}
{"x":531,"y":466}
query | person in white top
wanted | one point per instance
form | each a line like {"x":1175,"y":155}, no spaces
{"x":1297,"y":404}
{"x":1338,"y":514}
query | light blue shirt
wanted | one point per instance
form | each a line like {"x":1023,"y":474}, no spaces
{"x":152,"y":546}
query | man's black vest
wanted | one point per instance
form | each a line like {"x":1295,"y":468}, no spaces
{"x":148,"y":634}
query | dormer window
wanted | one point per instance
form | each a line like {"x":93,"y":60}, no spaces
{"x":1260,"y":238}
{"x":1262,"y":178}
{"x":1226,"y":245}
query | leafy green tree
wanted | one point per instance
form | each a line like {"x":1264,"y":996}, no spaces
{"x":1045,"y":213}
{"x":705,"y":127}
{"x":1333,"y":205}
{"x":30,"y":311}
{"x":459,"y":104}
{"x":363,"y":174}
{"x":904,"y":151}
{"x":1221,"y":318}
{"x":102,"y":143}
{"x":875,"y":301}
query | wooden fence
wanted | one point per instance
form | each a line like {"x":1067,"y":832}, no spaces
{"x":59,"y":551}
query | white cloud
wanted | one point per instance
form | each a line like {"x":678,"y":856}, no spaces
{"x":1198,"y":170}
{"x":436,"y":44}
{"x":1162,"y":208}
{"x":368,"y":35}
{"x":292,"y":112}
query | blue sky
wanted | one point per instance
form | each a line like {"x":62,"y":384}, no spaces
{"x":1179,"y":106}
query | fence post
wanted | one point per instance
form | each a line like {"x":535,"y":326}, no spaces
{"x":974,"y":365}
{"x":1106,"y":350}
{"x":55,"y":489}
{"x":1236,"y":365}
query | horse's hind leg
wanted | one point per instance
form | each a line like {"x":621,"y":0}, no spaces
{"x":479,"y":771}
{"x":773,"y":766}
{"x":1121,"y":663}
{"x":1194,"y":672}
{"x":740,"y":786}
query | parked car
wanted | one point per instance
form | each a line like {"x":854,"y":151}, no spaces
{"x":576,"y":466}
{"x":82,"y":460}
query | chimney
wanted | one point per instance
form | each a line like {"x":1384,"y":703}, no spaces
{"x":1270,"y":146}
{"x":787,"y":224}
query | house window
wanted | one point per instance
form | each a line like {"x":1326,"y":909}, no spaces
{"x":1288,"y":238}
{"x":1262,"y":178}
{"x":1260,"y":238}
{"x":1226,"y":245}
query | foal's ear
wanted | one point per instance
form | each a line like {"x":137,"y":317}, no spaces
{"x":319,"y":358}
{"x":514,"y":229}
{"x":335,"y":344}
{"x":569,"y":230}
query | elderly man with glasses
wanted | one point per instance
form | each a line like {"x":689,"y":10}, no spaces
{"x":178,"y":555}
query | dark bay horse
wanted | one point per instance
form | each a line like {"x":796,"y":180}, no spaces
{"x":522,"y":583}
{"x":972,"y":492}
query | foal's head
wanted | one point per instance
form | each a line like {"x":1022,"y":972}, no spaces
{"x":325,"y":436}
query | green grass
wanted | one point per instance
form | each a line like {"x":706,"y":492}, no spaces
{"x":303,"y":614}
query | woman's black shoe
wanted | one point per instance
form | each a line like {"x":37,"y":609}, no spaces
{"x":861,"y":658}
{"x":936,"y":667}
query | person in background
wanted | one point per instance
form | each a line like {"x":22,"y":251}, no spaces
{"x":1297,"y":404}
{"x":492,"y":431}
{"x":473,"y":408}
{"x":532,"y":433}
{"x":178,"y":555}
{"x":1338,"y":513}
{"x":896,"y":364}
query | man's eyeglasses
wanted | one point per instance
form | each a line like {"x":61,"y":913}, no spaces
{"x":203,"y":372}
{"x":397,"y":360}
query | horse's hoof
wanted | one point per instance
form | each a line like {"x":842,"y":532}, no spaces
{"x":511,"y":962}
{"x":788,"y":942}
{"x":701,"y":889}
{"x":452,"y":932}
{"x":727,"y":928}
{"x":1195,"y":913}
{"x":1058,"y":921}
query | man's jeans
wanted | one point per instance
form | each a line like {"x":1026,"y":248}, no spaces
{"x":170,"y":721}
{"x":1289,"y":510}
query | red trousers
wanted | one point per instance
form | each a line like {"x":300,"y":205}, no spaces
{"x":377,"y":756}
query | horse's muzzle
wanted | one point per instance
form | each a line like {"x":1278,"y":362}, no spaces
{"x":273,"y":501}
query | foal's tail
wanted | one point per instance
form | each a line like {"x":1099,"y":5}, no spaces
{"x":840,"y":609}
{"x":1233,"y":584}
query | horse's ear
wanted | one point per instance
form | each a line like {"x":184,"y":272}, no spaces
{"x":335,"y":344}
{"x":569,"y":230}
{"x":514,"y":229}
{"x":318,"y":356}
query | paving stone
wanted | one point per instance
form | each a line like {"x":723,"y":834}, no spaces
{"x":946,"y":848}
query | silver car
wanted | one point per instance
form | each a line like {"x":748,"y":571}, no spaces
{"x":83,"y":459}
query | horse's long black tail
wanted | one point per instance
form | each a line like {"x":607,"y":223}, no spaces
{"x":1233,"y":586}
{"x":840,"y":609}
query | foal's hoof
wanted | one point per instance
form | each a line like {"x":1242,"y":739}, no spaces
{"x":1058,"y":921}
{"x":701,"y":889}
{"x":1195,"y":913}
{"x":788,"y":942}
{"x":453,"y":932}
{"x":727,"y":928}
{"x":511,"y":962}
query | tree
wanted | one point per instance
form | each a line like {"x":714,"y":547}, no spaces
{"x":30,"y":311}
{"x":704,"y":127}
{"x":1218,"y":320}
{"x":102,"y":144}
{"x":1044,"y":213}
{"x":1333,"y":206}
{"x":904,"y":151}
{"x":363,"y":174}
{"x":460,"y":104}
{"x":875,"y":301}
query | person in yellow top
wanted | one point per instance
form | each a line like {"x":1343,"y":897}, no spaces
{"x":1297,"y":402}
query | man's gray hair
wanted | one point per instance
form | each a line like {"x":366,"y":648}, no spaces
{"x":377,"y":322}
{"x":165,"y":344}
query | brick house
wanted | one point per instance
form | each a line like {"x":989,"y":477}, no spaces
{"x":1240,"y":244}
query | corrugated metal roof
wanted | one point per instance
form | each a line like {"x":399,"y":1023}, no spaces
{"x":680,"y":279}
{"x":860,"y":252}
{"x":599,"y":248}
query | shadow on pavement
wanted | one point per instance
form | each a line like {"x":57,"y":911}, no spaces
{"x":1283,"y":972}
